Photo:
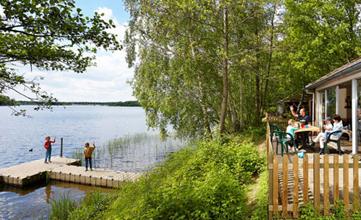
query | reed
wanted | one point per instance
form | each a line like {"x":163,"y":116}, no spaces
{"x":62,"y":207}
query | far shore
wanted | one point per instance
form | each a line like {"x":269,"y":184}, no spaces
{"x":120,"y":103}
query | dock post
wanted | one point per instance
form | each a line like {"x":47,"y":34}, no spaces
{"x":61,"y":147}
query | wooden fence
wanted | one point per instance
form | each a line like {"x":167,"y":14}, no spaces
{"x":320,"y":180}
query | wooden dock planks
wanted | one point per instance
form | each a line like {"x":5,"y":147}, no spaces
{"x":62,"y":169}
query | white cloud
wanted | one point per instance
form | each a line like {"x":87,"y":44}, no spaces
{"x":2,"y":14}
{"x":107,"y":81}
{"x":108,"y":13}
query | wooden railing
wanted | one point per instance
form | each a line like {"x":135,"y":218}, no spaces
{"x":320,"y":180}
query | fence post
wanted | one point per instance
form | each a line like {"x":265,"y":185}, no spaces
{"x":326,"y":170}
{"x":305,"y":178}
{"x":61,"y":147}
{"x":356,"y":202}
{"x":316,"y":185}
{"x":335,"y":178}
{"x":345,"y":181}
{"x":284,"y":186}
{"x":295,"y":187}
{"x":275,"y":184}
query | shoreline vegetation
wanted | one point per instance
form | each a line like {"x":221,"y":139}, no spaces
{"x":207,"y":179}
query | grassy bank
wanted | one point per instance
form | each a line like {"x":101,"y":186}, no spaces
{"x":206,"y":180}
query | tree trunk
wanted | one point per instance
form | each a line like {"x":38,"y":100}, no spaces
{"x":206,"y":123}
{"x":258,"y":76}
{"x":225,"y":72}
{"x":269,"y":63}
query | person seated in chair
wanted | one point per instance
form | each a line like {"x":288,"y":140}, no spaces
{"x":291,"y":128}
{"x":304,"y":119}
{"x":337,"y":126}
{"x":322,"y":136}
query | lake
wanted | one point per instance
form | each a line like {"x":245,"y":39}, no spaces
{"x":121,"y":136}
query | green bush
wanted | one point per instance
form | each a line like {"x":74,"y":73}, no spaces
{"x":61,"y":208}
{"x":338,"y":210}
{"x":206,"y":181}
{"x":260,"y":211}
{"x":308,"y":212}
{"x":356,"y":215}
{"x":92,"y":207}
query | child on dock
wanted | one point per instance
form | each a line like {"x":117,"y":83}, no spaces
{"x":47,"y":146}
{"x":88,"y":151}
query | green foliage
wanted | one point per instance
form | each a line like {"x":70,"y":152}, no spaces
{"x":202,"y":182}
{"x":356,"y":215}
{"x":261,"y":207}
{"x":92,"y":207}
{"x":308,"y":212}
{"x":274,"y":49}
{"x":182,"y":53}
{"x":50,"y":35}
{"x":61,"y":208}
{"x":339,"y":211}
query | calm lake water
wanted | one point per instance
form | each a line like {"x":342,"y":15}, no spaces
{"x":136,"y":148}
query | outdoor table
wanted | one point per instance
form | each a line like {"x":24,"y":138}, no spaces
{"x":309,"y":129}
{"x":303,"y":132}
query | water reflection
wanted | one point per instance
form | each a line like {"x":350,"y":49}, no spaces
{"x":137,"y":149}
{"x":35,"y":203}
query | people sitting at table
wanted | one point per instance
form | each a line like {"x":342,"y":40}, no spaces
{"x":322,"y":136}
{"x":291,"y":128}
{"x":302,"y":117}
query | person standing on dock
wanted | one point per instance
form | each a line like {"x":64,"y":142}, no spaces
{"x":88,"y":151}
{"x":47,"y":146}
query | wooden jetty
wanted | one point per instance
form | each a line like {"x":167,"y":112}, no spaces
{"x":62,"y":169}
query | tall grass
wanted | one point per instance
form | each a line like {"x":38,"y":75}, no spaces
{"x":62,"y":207}
{"x":79,"y":155}
{"x":142,"y":148}
{"x":93,"y":206}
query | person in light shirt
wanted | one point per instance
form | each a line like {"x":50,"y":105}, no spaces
{"x":291,"y":128}
{"x":322,"y":136}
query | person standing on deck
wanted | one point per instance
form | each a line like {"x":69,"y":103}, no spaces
{"x":47,"y":146}
{"x":88,"y":151}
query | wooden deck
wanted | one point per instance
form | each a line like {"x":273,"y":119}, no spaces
{"x":62,"y":169}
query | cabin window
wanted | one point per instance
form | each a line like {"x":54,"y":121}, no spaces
{"x":322,"y":105}
{"x":330,"y":102}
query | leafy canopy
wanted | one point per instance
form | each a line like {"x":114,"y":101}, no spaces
{"x":50,"y":35}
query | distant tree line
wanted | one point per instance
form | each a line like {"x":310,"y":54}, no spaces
{"x":4,"y":101}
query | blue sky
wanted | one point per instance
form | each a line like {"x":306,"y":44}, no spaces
{"x":117,"y":6}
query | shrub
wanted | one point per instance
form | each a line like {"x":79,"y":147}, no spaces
{"x":261,"y":207}
{"x":339,"y":210}
{"x":308,"y":212}
{"x":92,"y":207}
{"x":61,"y":208}
{"x":202,"y":182}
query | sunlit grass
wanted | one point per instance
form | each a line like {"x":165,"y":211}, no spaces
{"x":62,"y":207}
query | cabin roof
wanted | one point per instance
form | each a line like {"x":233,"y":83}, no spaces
{"x":339,"y":72}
